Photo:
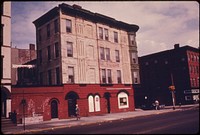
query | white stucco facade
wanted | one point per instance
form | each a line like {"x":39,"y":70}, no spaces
{"x":85,"y":47}
{"x":6,"y":58}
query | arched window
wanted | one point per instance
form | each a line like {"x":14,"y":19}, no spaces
{"x":91,"y":103}
{"x":123,"y":100}
{"x":97,"y":103}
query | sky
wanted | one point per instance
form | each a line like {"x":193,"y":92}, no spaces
{"x":162,"y":23}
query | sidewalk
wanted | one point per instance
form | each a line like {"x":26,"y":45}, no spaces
{"x":56,"y":123}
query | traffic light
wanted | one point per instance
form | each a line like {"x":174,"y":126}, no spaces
{"x":172,"y":87}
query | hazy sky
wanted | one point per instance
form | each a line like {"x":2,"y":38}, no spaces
{"x":162,"y":24}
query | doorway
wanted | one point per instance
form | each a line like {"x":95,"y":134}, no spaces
{"x":71,"y":98}
{"x":54,"y":109}
{"x":5,"y":96}
{"x":107,"y":97}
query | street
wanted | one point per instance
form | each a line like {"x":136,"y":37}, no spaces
{"x":179,"y":122}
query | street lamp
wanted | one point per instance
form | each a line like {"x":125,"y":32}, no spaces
{"x":23,"y":102}
{"x":172,"y":89}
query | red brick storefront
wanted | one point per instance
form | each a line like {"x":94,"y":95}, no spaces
{"x":59,"y":101}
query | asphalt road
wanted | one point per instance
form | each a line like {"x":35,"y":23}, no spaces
{"x":179,"y":122}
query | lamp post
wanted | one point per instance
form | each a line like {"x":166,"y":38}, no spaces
{"x":23,"y":102}
{"x":172,"y":89}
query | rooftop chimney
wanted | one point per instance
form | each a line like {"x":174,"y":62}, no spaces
{"x":31,"y":46}
{"x":77,"y":6}
{"x":176,"y":46}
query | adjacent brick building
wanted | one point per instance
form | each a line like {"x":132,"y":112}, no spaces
{"x":83,"y":58}
{"x":160,"y":70}
{"x":23,"y":67}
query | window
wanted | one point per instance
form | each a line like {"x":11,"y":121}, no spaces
{"x":49,"y":53}
{"x":134,"y":60}
{"x":115,"y":37}
{"x":117,"y":55}
{"x":103,"y":75}
{"x":109,"y":76}
{"x":71,"y":74}
{"x":40,"y":56}
{"x":131,"y":39}
{"x":119,"y":80}
{"x":107,"y":53}
{"x":39,"y":35}
{"x":69,"y":49}
{"x":106,"y":34}
{"x":57,"y":75}
{"x":188,"y":98}
{"x":56,"y":50}
{"x":91,"y":103}
{"x":135,"y":76}
{"x":123,"y":100}
{"x":48,"y":30}
{"x":68,"y":26}
{"x":191,"y":80}
{"x":94,"y":103}
{"x":56,"y":26}
{"x":192,"y":57}
{"x":97,"y":103}
{"x":100,"y":33}
{"x":102,"y":54}
{"x":49,"y":77}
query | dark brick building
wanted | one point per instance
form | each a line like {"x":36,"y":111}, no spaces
{"x":158,"y":71}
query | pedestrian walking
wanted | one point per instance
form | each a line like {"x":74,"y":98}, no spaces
{"x":157,"y":104}
{"x":77,"y":112}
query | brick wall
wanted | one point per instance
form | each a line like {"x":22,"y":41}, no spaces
{"x":39,"y":99}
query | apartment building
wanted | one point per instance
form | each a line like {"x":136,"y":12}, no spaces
{"x":83,"y":58}
{"x":78,"y":46}
{"x":5,"y":58}
{"x":178,"y":67}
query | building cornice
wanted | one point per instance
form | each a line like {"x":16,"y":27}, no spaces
{"x":77,"y":11}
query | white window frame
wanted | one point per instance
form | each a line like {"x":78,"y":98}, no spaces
{"x":125,"y":96}
{"x":91,"y":103}
{"x":97,"y":103}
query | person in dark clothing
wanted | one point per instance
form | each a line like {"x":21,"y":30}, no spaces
{"x":77,"y":112}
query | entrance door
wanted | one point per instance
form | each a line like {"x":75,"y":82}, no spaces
{"x":107,"y":97}
{"x":71,"y":107}
{"x":5,"y":96}
{"x":71,"y":98}
{"x":54,"y":109}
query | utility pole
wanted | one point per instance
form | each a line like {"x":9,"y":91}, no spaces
{"x":23,"y":103}
{"x":172,"y":89}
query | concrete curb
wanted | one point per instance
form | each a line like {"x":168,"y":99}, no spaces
{"x":106,"y":118}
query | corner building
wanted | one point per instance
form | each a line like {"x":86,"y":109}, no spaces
{"x":84,"y":58}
